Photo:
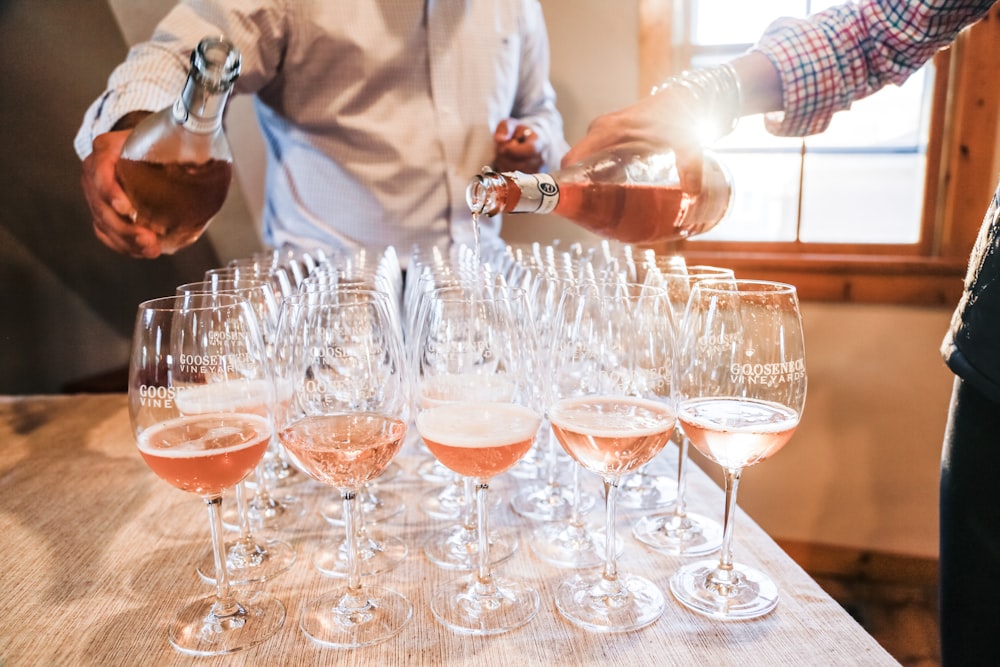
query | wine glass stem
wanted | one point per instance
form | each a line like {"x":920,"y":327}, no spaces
{"x":680,"y":505}
{"x":224,"y":605}
{"x":575,"y":518}
{"x":469,"y":506}
{"x":485,"y":577}
{"x":351,"y":537}
{"x":732,"y":483}
{"x":243,"y":512}
{"x":610,"y":552}
{"x":551,"y":454}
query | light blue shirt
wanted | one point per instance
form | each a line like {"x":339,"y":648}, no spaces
{"x":375,"y":113}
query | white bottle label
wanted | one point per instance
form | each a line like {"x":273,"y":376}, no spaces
{"x":539,"y":193}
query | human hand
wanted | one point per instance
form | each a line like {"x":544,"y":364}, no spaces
{"x":110,"y":207}
{"x":518,"y":147}
{"x":668,"y":120}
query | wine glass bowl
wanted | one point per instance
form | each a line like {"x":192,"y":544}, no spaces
{"x":741,"y":387}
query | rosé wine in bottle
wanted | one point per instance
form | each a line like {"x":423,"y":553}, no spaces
{"x":478,"y":439}
{"x":612,"y":435}
{"x":344,"y":450}
{"x":737,"y":432}
{"x":206,"y":453}
{"x":176,"y":165}
{"x":176,"y":200}
{"x":631,"y":194}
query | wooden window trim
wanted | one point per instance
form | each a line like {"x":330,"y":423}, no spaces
{"x":961,"y":177}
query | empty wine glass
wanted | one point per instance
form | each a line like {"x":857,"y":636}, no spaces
{"x":247,"y":558}
{"x":611,"y":408}
{"x":200,"y":407}
{"x":269,"y":506}
{"x":343,"y":409}
{"x":676,"y":530}
{"x":478,"y":413}
{"x":740,"y":379}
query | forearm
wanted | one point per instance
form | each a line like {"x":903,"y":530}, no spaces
{"x":760,"y":84}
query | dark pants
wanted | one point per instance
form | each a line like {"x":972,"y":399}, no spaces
{"x":970,"y":531}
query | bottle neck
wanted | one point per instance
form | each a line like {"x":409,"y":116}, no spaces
{"x":215,"y":65}
{"x":491,"y":192}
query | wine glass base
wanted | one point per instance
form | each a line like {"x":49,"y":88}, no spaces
{"x":551,"y":502}
{"x":280,"y":474}
{"x":377,"y":507}
{"x":335,"y":620}
{"x":377,"y":554}
{"x":250,"y":563}
{"x":571,"y":546}
{"x":198,"y":631}
{"x":470,"y":608}
{"x":747,"y":593}
{"x":272,"y":512}
{"x":647,"y":492}
{"x":592,"y":603}
{"x":691,"y":535}
{"x":457,"y":548}
{"x":448,"y":503}
{"x":433,"y":471}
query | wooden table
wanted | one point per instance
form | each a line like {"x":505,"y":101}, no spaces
{"x":98,"y":555}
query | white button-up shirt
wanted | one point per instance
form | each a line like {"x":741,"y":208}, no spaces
{"x":375,"y":113}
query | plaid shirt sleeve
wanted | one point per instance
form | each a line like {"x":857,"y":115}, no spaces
{"x":837,"y":56}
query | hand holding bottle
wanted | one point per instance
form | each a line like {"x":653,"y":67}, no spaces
{"x":155,"y":189}
{"x":518,"y":147}
{"x":110,"y":207}
{"x":682,"y":115}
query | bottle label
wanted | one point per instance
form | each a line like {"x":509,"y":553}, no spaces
{"x":539,"y":193}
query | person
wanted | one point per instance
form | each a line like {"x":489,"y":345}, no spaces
{"x":799,"y":74}
{"x":374,"y":114}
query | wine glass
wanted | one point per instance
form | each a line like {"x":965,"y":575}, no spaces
{"x":199,"y":398}
{"x":740,"y":379}
{"x":270,"y":506}
{"x":343,"y":409}
{"x":553,"y":500}
{"x":247,"y":558}
{"x":677,"y":531}
{"x":477,"y":413}
{"x":456,"y":545}
{"x":611,"y":409}
{"x":377,"y":551}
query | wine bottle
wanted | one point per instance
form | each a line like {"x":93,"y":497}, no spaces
{"x":176,"y":165}
{"x":630,"y":194}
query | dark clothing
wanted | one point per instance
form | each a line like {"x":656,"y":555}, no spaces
{"x":972,"y":347}
{"x":970,"y":464}
{"x":970,"y":531}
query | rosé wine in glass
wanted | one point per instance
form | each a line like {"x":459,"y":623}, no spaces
{"x":208,"y":453}
{"x":345,"y":450}
{"x":478,"y":439}
{"x":735,"y":432}
{"x":612,"y":435}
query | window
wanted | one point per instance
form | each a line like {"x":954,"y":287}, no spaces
{"x":882,"y":207}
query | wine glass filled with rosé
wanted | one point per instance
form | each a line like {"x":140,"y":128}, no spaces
{"x":478,"y":412}
{"x":740,"y":378}
{"x":342,"y":416}
{"x":200,"y":399}
{"x":611,"y":408}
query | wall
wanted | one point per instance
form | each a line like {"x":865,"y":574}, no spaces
{"x":861,"y":471}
